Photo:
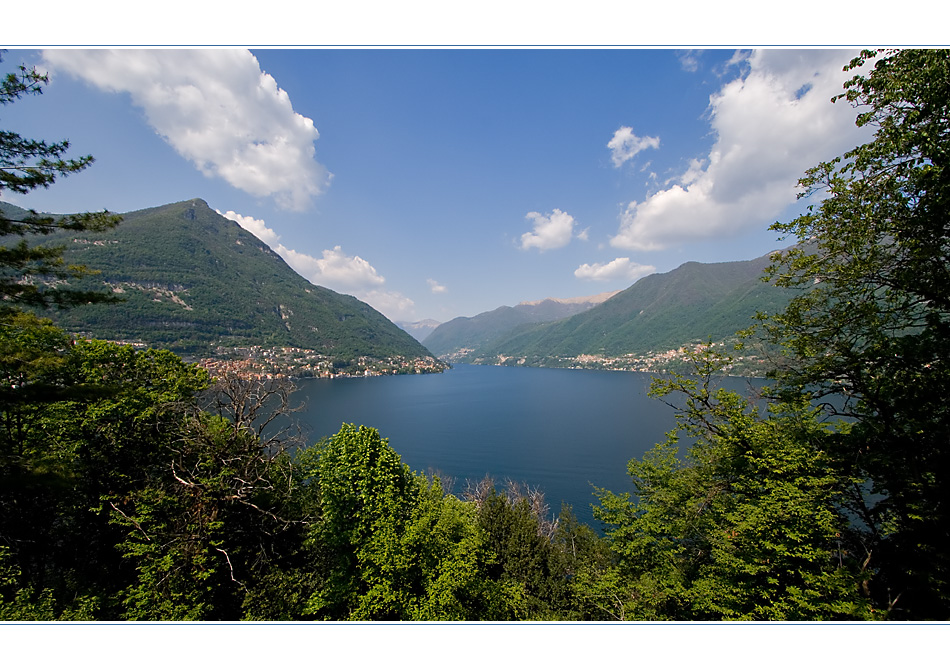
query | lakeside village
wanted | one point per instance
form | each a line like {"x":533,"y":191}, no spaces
{"x":264,"y":363}
{"x":259,"y":362}
{"x":669,"y":361}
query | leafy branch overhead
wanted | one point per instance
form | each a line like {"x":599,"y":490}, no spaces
{"x":27,"y":164}
{"x":33,"y":274}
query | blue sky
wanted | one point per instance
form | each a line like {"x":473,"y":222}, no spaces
{"x":435,"y":183}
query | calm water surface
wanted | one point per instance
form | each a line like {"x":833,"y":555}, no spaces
{"x":564,"y":431}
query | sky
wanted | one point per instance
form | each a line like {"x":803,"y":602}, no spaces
{"x":436,"y":183}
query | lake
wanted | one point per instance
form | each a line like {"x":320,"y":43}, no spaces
{"x":564,"y":431}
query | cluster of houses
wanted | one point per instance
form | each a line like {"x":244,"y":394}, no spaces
{"x":672,"y":360}
{"x":259,"y":362}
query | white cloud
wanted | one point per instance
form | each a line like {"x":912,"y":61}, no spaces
{"x":216,"y":109}
{"x":257,"y":227}
{"x":391,"y":303}
{"x":435,"y":287}
{"x":335,"y":270}
{"x":624,"y":145}
{"x":689,"y":61}
{"x":695,"y":170}
{"x":551,"y":231}
{"x":619,"y":269}
{"x":770,"y":124}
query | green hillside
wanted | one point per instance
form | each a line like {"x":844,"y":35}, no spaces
{"x":191,"y":279}
{"x":695,"y":302}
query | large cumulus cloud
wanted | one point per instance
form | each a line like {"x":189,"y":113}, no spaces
{"x":217,"y":109}
{"x":770,"y":124}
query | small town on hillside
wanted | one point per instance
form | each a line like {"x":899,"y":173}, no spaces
{"x":668,"y":361}
{"x":259,"y":362}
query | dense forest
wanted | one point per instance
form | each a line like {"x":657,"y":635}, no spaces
{"x":135,"y":487}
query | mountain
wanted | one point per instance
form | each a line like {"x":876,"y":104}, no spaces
{"x":457,"y":338}
{"x":419,"y":330}
{"x":693,"y":303}
{"x":192,"y":279}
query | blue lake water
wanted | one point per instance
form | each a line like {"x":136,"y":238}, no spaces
{"x":564,"y":431}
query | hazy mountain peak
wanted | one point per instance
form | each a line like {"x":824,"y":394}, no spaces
{"x":594,"y":300}
{"x":419,"y":330}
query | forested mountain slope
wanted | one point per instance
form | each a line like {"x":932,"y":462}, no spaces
{"x":190,"y":278}
{"x":694,"y":302}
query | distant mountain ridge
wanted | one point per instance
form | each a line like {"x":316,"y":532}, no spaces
{"x":693,"y":303}
{"x":192,"y":279}
{"x":456,"y":339}
{"x":419,"y":330}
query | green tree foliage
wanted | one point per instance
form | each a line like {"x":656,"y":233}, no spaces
{"x":100,"y":422}
{"x":748,"y":524}
{"x":202,"y":531}
{"x":871,"y":330}
{"x":28,"y":273}
{"x":530,"y":550}
{"x":23,"y":603}
{"x":395,"y":547}
{"x":136,"y":503}
{"x":44,"y":502}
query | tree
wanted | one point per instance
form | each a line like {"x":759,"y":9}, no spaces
{"x":520,"y":533}
{"x":43,"y":499}
{"x":99,"y":428}
{"x":137,"y":503}
{"x":26,"y":165}
{"x":748,"y":524}
{"x":869,"y":334}
{"x":394,"y":546}
{"x":215,"y":510}
{"x":122,"y":497}
{"x":33,"y":275}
